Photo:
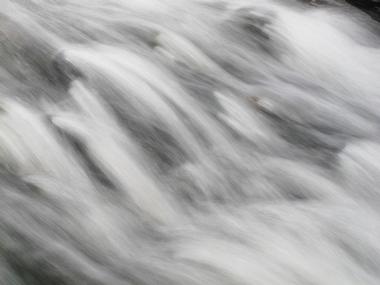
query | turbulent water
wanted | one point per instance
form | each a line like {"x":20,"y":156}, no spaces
{"x":193,"y":142}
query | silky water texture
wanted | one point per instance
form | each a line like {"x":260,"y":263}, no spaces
{"x":189,"y":142}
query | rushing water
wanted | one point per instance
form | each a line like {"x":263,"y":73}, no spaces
{"x":194,"y":142}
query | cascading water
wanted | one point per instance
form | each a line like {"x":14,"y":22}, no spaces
{"x":189,"y":142}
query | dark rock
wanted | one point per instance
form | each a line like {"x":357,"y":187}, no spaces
{"x":371,"y":7}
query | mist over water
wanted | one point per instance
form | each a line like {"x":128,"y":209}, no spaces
{"x":196,"y":142}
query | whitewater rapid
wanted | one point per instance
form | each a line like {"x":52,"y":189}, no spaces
{"x":189,"y":142}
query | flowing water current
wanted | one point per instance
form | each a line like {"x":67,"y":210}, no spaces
{"x":192,"y":142}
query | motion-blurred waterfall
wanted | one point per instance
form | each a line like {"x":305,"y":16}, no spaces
{"x":189,"y":142}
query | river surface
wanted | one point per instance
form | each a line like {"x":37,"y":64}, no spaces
{"x":189,"y":142}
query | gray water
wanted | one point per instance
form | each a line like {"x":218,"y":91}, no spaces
{"x":193,"y":142}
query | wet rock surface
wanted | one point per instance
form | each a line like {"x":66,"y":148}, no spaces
{"x":372,"y":7}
